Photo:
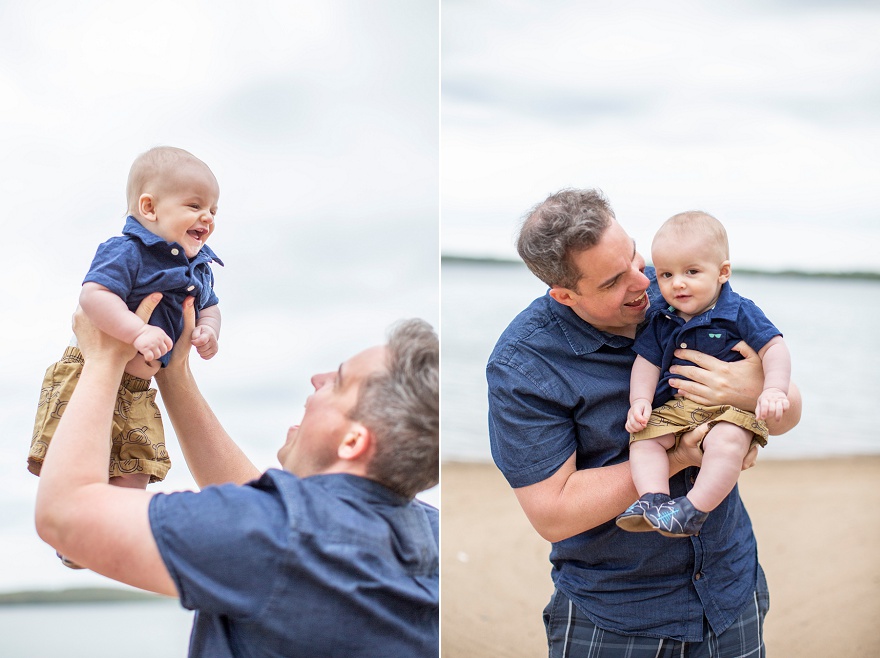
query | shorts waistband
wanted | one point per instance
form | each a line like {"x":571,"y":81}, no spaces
{"x":129,"y":382}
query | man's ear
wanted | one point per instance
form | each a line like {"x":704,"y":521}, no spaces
{"x":564,"y":296}
{"x":357,"y":444}
{"x":146,"y":207}
{"x":724,"y":274}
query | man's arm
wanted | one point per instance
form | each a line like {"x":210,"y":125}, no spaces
{"x":102,"y":527}
{"x":573,"y":501}
{"x":211,"y":454}
{"x":712,"y":381}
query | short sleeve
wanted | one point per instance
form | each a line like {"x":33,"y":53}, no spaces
{"x":207,"y":297}
{"x":754,"y":327}
{"x":115,"y":267}
{"x":531,"y":434}
{"x":221,"y":546}
{"x":648,"y":343}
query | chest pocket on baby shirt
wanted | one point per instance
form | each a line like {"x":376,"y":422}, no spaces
{"x":712,"y":341}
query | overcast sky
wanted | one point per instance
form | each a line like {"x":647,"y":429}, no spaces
{"x":766,"y":114}
{"x":320,"y":119}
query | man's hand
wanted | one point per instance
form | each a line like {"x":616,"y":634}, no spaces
{"x":152,"y":342}
{"x":179,"y":361}
{"x":204,"y":339}
{"x":94,"y":343}
{"x":638,"y":416}
{"x":713,"y":382}
{"x":689,"y":451}
{"x":772,"y":403}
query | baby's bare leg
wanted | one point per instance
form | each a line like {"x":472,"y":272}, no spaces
{"x":724,"y":449}
{"x":131,"y":481}
{"x":649,"y":464}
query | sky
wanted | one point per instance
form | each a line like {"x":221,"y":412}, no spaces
{"x":765,"y":114}
{"x":320,"y":120}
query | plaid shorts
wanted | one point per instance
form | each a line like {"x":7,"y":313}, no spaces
{"x":570,"y":634}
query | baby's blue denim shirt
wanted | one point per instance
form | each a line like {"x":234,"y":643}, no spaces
{"x":139,"y":263}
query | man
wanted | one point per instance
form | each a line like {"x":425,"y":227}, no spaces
{"x":330,"y":556}
{"x":558,"y":397}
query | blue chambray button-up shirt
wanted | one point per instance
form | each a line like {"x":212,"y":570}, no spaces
{"x":559,"y":386}
{"x":139,"y":262}
{"x":327,"y":565}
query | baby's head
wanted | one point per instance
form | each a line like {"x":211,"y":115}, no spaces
{"x":691,"y":256}
{"x":174,"y":195}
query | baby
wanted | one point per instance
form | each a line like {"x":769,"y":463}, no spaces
{"x":172,"y":201}
{"x":690,"y":254}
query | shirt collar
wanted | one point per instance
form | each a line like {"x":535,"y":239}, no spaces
{"x":134,"y":229}
{"x":363,"y":488}
{"x":583,"y":338}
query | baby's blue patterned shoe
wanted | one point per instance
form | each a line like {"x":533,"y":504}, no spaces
{"x":676,"y":518}
{"x":633,"y":519}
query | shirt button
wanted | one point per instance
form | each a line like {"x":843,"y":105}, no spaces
{"x":175,"y":251}
{"x":683,"y":346}
{"x":698,"y":576}
{"x":190,"y":288}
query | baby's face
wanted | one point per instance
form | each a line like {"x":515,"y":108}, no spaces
{"x":185,"y":208}
{"x":690,"y":273}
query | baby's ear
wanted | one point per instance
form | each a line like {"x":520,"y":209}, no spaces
{"x":146,"y":207}
{"x":724,"y":274}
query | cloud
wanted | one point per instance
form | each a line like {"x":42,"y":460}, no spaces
{"x":760,"y":114}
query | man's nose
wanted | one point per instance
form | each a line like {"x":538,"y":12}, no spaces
{"x":639,"y":280}
{"x":321,"y":379}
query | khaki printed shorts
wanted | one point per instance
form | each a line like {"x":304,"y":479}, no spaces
{"x":137,"y":437}
{"x":681,"y":415}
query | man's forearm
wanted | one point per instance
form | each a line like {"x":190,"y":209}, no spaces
{"x":80,"y":448}
{"x":572,"y":501}
{"x":211,"y":454}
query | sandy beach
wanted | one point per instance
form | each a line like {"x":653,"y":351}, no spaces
{"x":818,"y":537}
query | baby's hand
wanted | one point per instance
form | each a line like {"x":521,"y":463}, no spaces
{"x":152,"y":342}
{"x":637,"y":418}
{"x":204,"y":339}
{"x":772,"y":403}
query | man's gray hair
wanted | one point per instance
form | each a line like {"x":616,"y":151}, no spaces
{"x":559,"y":227}
{"x":401,"y":407}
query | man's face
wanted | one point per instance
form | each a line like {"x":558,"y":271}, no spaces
{"x":611,"y":294}
{"x":312,"y":446}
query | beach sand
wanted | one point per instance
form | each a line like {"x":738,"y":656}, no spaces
{"x":818,"y":537}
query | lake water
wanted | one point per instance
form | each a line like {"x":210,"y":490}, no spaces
{"x":830,"y":326}
{"x":154,"y":629}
